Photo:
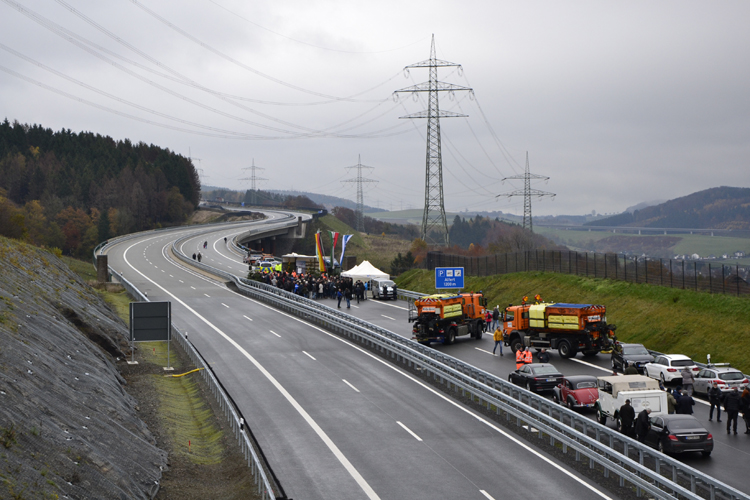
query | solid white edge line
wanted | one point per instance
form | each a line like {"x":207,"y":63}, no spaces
{"x":413,"y":434}
{"x":306,"y":416}
{"x":309,"y":355}
{"x":490,"y":497}
{"x":438,"y":394}
{"x":350,"y":385}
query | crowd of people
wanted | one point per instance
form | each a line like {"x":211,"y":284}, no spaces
{"x":340,"y":289}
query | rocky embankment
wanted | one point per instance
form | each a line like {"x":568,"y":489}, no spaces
{"x":68,"y":428}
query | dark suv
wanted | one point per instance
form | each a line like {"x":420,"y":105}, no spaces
{"x":623,"y":354}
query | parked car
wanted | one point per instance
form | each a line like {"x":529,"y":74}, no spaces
{"x":667,"y":367}
{"x":642,"y":392}
{"x":637,"y":354}
{"x":384,"y":289}
{"x":726,"y":377}
{"x":679,"y":434}
{"x":536,"y":377}
{"x":578,"y":391}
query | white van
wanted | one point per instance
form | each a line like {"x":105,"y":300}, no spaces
{"x":643,"y":392}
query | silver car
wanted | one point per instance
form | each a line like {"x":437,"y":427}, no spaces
{"x":727,"y":379}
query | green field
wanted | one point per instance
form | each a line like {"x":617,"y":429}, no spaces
{"x":689,"y":243}
{"x":663,"y":319}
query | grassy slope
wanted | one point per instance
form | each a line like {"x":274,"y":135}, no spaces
{"x":664,"y":319}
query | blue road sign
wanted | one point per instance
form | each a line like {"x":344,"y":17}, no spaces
{"x":449,"y":277}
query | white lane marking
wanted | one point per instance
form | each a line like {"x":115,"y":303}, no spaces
{"x":163,"y":270}
{"x":356,"y":307}
{"x":191,"y":286}
{"x":490,"y":497}
{"x":306,"y":416}
{"x":181,"y":281}
{"x":273,"y":332}
{"x":310,"y":356}
{"x":350,"y":385}
{"x":480,"y":349}
{"x":249,"y":319}
{"x":391,"y":305}
{"x":171,"y":276}
{"x":383,"y":315}
{"x":207,"y":295}
{"x":223,"y":304}
{"x":413,"y":434}
{"x":592,"y":365}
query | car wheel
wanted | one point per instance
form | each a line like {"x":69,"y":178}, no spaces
{"x":571,"y":404}
{"x":706,"y":453}
{"x":479,"y":328}
{"x":601,"y":417}
{"x":565,"y":349}
{"x":660,"y":447}
{"x":661,"y":375}
{"x":515,"y":344}
{"x":555,"y":399}
{"x":528,"y":386}
{"x":450,"y":336}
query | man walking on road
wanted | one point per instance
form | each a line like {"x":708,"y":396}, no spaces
{"x":714,"y":397}
{"x":495,"y":317}
{"x":627,"y":417}
{"x":643,"y":424}
{"x":498,"y":338}
{"x":732,"y":407}
{"x":687,"y":380}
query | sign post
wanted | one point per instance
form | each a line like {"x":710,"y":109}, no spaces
{"x":151,"y":322}
{"x":449,"y":278}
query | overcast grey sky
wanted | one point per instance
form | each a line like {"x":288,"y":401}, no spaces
{"x":617,"y":102}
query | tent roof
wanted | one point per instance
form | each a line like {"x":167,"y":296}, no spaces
{"x":365,"y":270}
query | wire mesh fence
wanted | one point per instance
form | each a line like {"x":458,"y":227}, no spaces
{"x":693,"y":275}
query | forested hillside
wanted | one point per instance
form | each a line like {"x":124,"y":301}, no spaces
{"x":715,"y":208}
{"x":71,"y":190}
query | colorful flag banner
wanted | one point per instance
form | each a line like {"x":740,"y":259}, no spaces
{"x":344,"y":240}
{"x":334,"y":239}
{"x":319,"y":251}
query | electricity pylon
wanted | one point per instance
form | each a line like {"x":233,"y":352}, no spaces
{"x":527,"y":193}
{"x":433,"y":216}
{"x":360,"y":195}
{"x":253,"y":178}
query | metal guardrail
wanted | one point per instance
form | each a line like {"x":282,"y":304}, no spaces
{"x":601,"y":445}
{"x":225,"y":402}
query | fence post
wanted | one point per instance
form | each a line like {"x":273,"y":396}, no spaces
{"x":661,"y":272}
{"x":670,"y":274}
{"x":711,"y":278}
{"x":683,"y":274}
{"x":695,"y":274}
{"x":636,"y":269}
{"x":738,"y":280}
{"x":723,"y":280}
{"x":645,"y":265}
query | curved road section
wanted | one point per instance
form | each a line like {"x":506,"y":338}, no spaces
{"x":334,"y":421}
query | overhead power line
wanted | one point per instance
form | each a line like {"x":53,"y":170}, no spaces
{"x":253,"y":179}
{"x":360,"y":212}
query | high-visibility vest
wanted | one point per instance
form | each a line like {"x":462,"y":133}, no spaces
{"x":520,"y":359}
{"x":528,"y":358}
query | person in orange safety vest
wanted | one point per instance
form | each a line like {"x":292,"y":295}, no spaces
{"x":528,"y":358}
{"x":520,"y":357}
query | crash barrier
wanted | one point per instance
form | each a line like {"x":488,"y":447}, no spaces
{"x":652,"y":473}
{"x":691,"y":275}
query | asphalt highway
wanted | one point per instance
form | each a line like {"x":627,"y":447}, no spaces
{"x":731,"y":452}
{"x":335,"y":421}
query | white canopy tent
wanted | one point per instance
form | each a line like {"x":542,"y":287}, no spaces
{"x":365,"y":272}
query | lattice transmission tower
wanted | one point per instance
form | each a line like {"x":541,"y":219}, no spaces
{"x":527,"y":193}
{"x":360,"y":212}
{"x":253,"y":179}
{"x":433,"y":217}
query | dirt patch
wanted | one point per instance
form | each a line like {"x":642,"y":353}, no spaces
{"x":204,"y":459}
{"x":204,"y":216}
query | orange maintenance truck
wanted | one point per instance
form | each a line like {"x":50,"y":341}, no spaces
{"x":569,"y":328}
{"x":443,"y":317}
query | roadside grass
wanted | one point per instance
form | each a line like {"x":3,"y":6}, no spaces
{"x":83,"y":268}
{"x":664,"y":319}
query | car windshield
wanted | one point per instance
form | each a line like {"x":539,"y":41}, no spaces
{"x":731,"y":376}
{"x":684,"y":423}
{"x":386,"y":283}
{"x":544,"y":370}
{"x":586,"y":385}
{"x":682,"y":362}
{"x":636,"y":350}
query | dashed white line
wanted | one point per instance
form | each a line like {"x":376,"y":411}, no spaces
{"x":223,"y":304}
{"x":191,"y":286}
{"x":489,"y":497}
{"x":409,"y":431}
{"x":272,"y":332}
{"x":308,"y":354}
{"x":350,"y":385}
{"x":483,"y":350}
{"x":383,"y":315}
{"x":207,"y":295}
{"x":171,"y":276}
{"x":249,"y":319}
{"x":181,"y":281}
{"x":162,"y":270}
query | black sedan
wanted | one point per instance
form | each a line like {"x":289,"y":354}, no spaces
{"x":536,"y":377}
{"x":637,"y":354}
{"x":679,"y":434}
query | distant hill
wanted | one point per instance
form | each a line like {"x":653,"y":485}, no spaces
{"x":327,"y":201}
{"x":715,"y":208}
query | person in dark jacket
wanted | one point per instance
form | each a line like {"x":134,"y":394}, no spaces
{"x":631,"y":369}
{"x":745,"y":407}
{"x":627,"y":417}
{"x":643,"y":425}
{"x":685,"y":404}
{"x":543,"y":356}
{"x":714,"y":397}
{"x":732,"y":407}
{"x":348,"y":297}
